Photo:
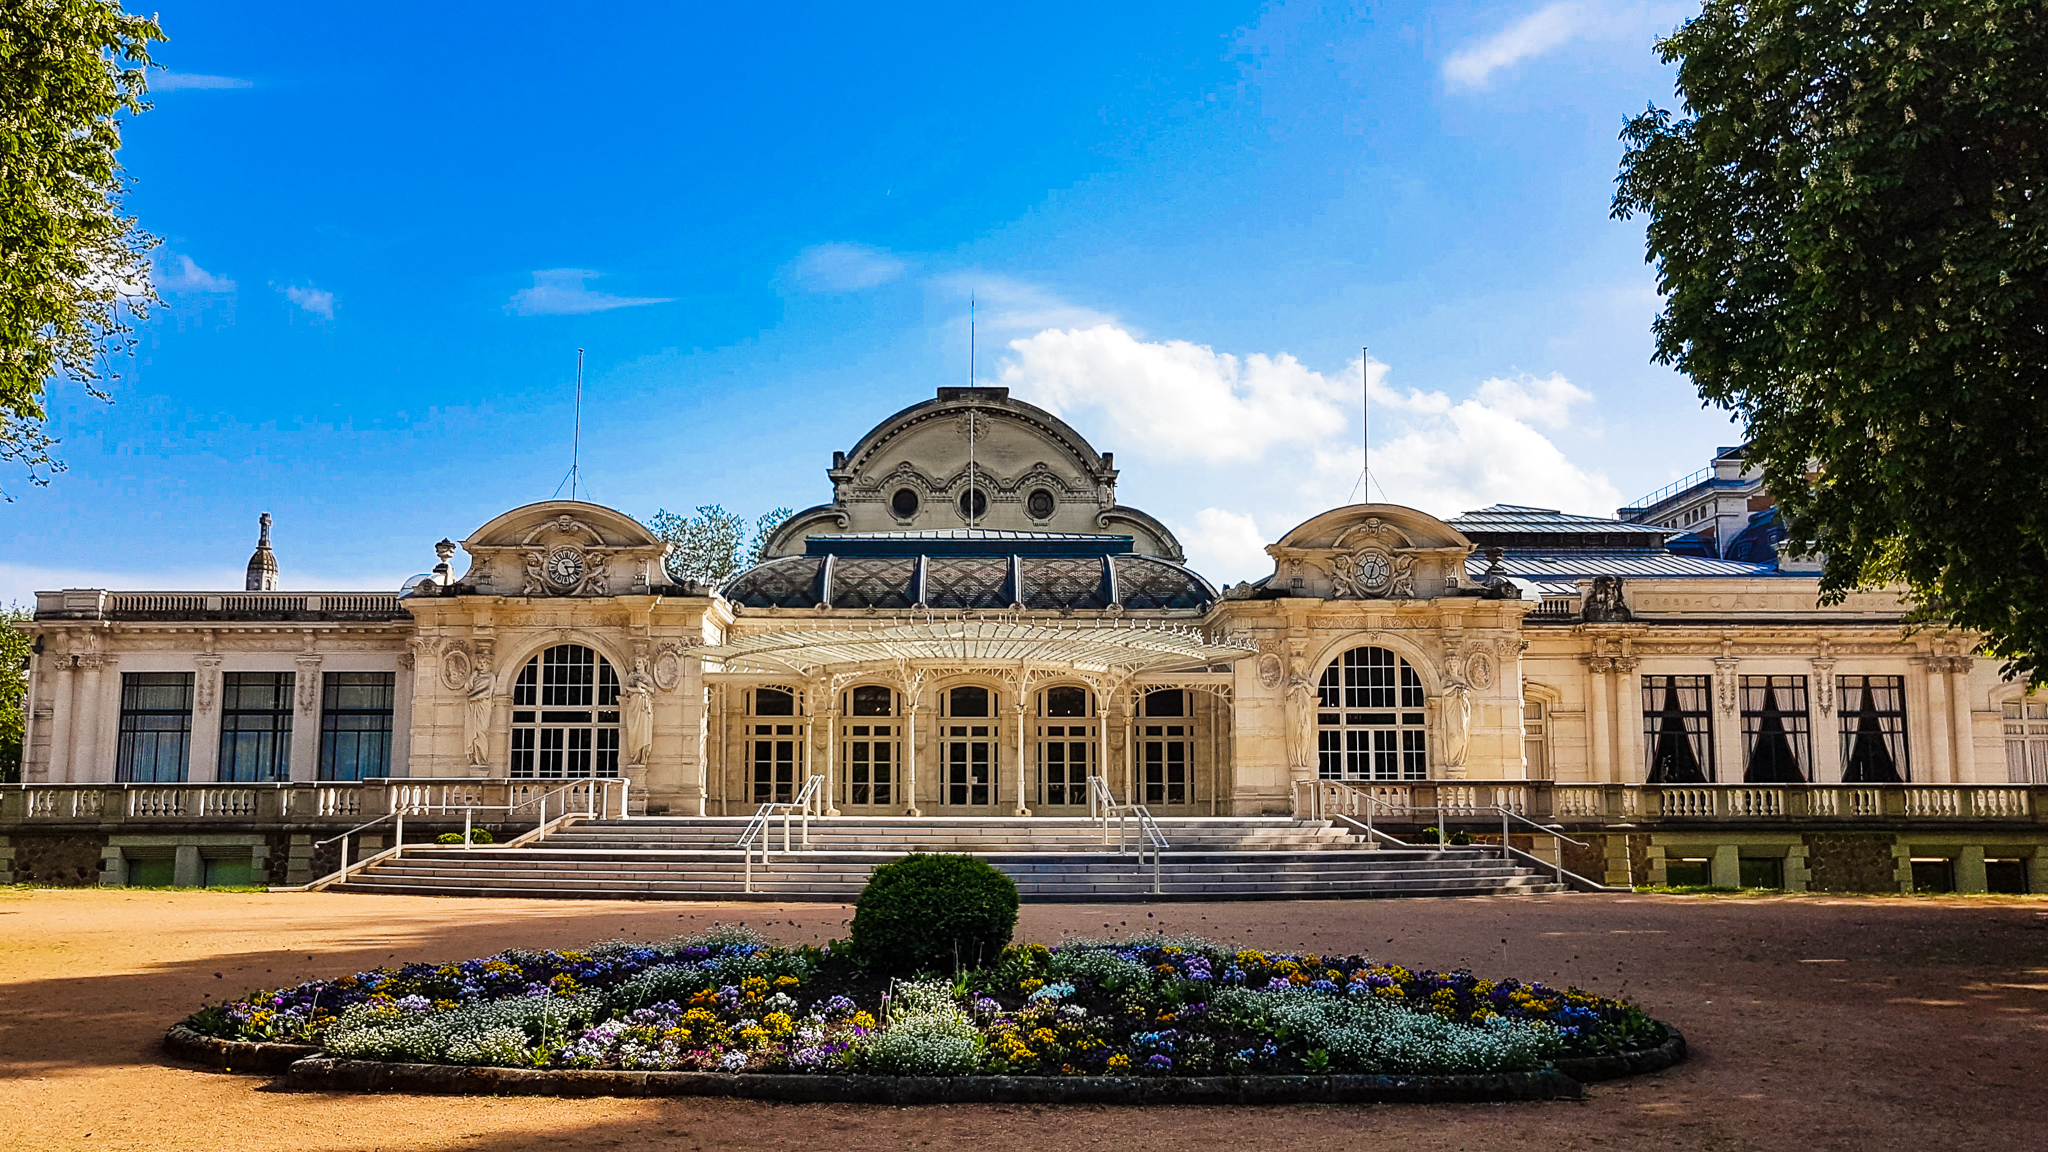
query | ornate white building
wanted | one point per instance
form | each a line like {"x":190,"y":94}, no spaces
{"x":973,"y":625}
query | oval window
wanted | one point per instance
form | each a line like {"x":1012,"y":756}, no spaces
{"x":1039,"y":504}
{"x":904,"y":503}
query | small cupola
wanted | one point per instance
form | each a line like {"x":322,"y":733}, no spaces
{"x":263,"y":562}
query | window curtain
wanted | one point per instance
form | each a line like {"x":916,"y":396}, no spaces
{"x":1873,"y":729}
{"x":1680,"y":729}
{"x":1775,"y":727}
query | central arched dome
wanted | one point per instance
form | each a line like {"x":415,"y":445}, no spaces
{"x":969,"y":460}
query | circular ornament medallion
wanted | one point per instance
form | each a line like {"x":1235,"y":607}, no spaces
{"x":563,"y":568}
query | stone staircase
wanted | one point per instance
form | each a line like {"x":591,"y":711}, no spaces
{"x":1052,"y":860}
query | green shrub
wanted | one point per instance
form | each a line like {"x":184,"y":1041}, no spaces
{"x":928,"y":913}
{"x":476,"y":836}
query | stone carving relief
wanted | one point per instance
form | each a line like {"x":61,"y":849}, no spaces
{"x":207,"y":683}
{"x":477,"y":713}
{"x":1479,"y":671}
{"x":1271,"y":672}
{"x":309,"y":684}
{"x":1301,"y":712}
{"x":636,"y":719}
{"x":1457,"y":723}
{"x":1373,"y":564}
{"x":1604,"y":602}
{"x":668,"y":668}
{"x":456,"y":666}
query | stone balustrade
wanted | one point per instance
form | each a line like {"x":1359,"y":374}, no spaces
{"x":324,"y":803}
{"x":1654,"y":805}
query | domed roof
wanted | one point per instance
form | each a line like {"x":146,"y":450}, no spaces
{"x":969,"y":582}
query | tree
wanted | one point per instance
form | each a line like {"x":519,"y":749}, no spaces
{"x":14,"y":649}
{"x":75,"y":273}
{"x":1850,"y":227}
{"x":714,"y":543}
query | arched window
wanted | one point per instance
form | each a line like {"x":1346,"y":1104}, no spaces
{"x":869,"y":747}
{"x":775,"y":747}
{"x":1166,"y":746}
{"x":1066,"y":745}
{"x":968,"y":748}
{"x":1370,"y":722}
{"x":565,"y":715}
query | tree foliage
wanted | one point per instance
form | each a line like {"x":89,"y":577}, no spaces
{"x":14,"y":650}
{"x":714,"y":544}
{"x":74,"y":273}
{"x":1850,"y":227}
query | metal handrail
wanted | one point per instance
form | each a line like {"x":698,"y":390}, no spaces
{"x":1103,"y":800}
{"x":755,"y":833}
{"x":1442,"y":838}
{"x":398,"y":814}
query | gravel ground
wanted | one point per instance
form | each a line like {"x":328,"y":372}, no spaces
{"x":1816,"y":1023}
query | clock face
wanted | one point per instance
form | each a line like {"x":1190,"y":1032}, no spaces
{"x":564,"y":568}
{"x":1374,"y":569}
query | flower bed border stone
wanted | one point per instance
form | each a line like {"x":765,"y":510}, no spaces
{"x":305,"y":1070}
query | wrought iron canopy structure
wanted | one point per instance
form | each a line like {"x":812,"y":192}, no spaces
{"x":1103,"y":647}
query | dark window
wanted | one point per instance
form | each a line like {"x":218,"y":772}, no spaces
{"x":873,"y":700}
{"x":256,"y":726}
{"x":1688,"y":873}
{"x":777,"y":757}
{"x":1166,"y":702}
{"x":355,"y":725}
{"x":774,"y":702}
{"x":1776,"y":736}
{"x":575,"y":730}
{"x":969,"y":701}
{"x":1678,"y":725}
{"x":1934,"y":874}
{"x":156,"y":727}
{"x":1375,"y":745}
{"x":1761,"y":871}
{"x":973,"y":503}
{"x":1873,"y":713}
{"x":2007,"y":877}
{"x":1039,"y":504}
{"x":904,"y":503}
{"x":1065,"y":702}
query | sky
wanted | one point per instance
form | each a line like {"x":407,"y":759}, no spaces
{"x":387,"y":230}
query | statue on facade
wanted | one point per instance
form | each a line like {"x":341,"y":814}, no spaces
{"x":1457,"y":723}
{"x":477,"y":713}
{"x":1605,"y":603}
{"x":636,"y":715}
{"x":1301,"y":720}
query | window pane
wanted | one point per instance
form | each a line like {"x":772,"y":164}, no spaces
{"x":156,"y":727}
{"x":355,"y":725}
{"x":256,"y":726}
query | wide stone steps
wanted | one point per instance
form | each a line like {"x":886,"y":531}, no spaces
{"x":1051,"y":861}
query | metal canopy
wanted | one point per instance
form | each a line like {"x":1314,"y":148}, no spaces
{"x":1103,"y":647}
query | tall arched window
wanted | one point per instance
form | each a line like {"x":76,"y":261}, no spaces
{"x":968,"y":747}
{"x":565,"y":715}
{"x":775,"y":744}
{"x":1370,"y":724}
{"x":869,"y":747}
{"x":1066,"y":745}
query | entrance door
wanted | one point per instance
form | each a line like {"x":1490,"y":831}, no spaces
{"x":969,"y":749}
{"x":1166,"y":748}
{"x":868,"y":746}
{"x":1066,"y":747}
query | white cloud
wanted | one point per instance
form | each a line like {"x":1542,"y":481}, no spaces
{"x":1176,"y":399}
{"x":1451,"y":456}
{"x":844,"y":268}
{"x":176,"y":81}
{"x":1540,"y":31}
{"x":1006,"y":305}
{"x":318,"y":301}
{"x":180,"y":274}
{"x":561,"y":292}
{"x":1225,"y":545}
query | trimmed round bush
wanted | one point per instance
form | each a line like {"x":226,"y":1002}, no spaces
{"x":933,"y":913}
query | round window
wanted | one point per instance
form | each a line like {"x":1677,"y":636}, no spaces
{"x":1039,"y":504}
{"x":973,"y":503}
{"x":904,"y":503}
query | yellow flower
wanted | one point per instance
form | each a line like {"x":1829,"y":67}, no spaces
{"x":564,"y":985}
{"x":443,"y":1005}
{"x":753,"y":987}
{"x":1044,"y":1036}
{"x":1031,"y":984}
{"x":1251,"y":958}
{"x":784,"y":982}
{"x":779,"y":1023}
{"x":862,"y":1020}
{"x":1119,"y":1062}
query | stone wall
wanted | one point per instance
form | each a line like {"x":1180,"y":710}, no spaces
{"x":1851,"y":862}
{"x":64,"y":859}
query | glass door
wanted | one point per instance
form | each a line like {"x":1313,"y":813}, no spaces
{"x":1066,"y":747}
{"x":968,"y":749}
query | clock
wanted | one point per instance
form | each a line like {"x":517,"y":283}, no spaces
{"x":563,"y":568}
{"x":1374,"y":570}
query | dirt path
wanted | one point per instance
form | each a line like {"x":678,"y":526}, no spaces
{"x":1817,"y":1023}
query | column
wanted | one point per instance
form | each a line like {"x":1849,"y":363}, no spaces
{"x":87,"y":713}
{"x":1631,"y":759}
{"x":63,"y":706}
{"x":1827,"y":757}
{"x":703,"y":747}
{"x":205,"y":746}
{"x":1600,"y":734}
{"x":1940,"y":768}
{"x":306,"y":720}
{"x":1728,"y":763}
{"x":1963,"y":757}
{"x":910,"y":749}
{"x":1101,"y":736}
{"x":832,"y":752}
{"x":1023,"y":711}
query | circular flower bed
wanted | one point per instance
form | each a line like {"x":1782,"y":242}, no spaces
{"x":1147,"y":1007}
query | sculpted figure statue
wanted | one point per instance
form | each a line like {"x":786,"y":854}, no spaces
{"x":637,"y":716}
{"x":477,"y":714}
{"x":1457,"y":723}
{"x":1301,"y":721}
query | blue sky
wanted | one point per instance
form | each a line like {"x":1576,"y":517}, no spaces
{"x":388,"y":229}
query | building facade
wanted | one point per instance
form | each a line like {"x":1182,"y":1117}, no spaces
{"x":974,"y":625}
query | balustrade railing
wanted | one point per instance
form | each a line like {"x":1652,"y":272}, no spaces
{"x":1426,"y":801}
{"x":298,"y":802}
